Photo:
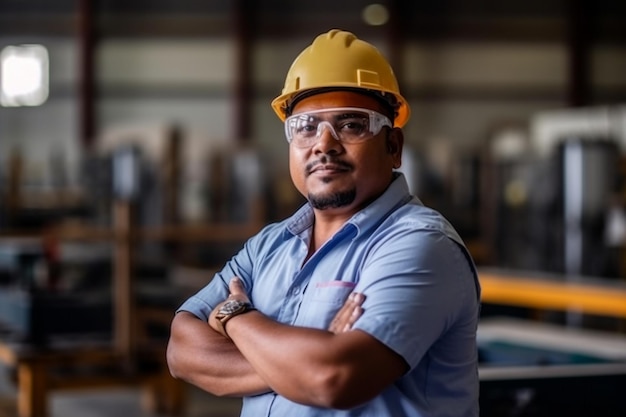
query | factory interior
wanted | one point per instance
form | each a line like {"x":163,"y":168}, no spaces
{"x":138,"y":152}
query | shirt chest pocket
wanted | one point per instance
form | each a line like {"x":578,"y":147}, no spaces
{"x":322,"y":301}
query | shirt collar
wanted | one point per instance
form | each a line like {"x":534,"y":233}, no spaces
{"x":395,"y":195}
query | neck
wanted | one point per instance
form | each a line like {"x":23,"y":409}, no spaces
{"x":325,"y":227}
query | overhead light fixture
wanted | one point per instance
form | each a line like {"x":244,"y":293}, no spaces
{"x":375,"y":14}
{"x":24,"y":75}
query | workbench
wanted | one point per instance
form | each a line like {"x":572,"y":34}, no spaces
{"x":126,"y":359}
{"x":557,"y":292}
{"x":81,"y":366}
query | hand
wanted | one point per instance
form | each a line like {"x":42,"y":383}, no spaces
{"x":348,"y":314}
{"x":237,"y":292}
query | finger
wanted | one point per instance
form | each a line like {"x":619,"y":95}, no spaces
{"x":338,"y":322}
{"x":356,"y":313}
{"x":344,"y":312}
{"x":358,"y":298}
{"x":348,"y":314}
{"x":236,"y":287}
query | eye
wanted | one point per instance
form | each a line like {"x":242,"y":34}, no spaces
{"x":353,"y":126}
{"x":305,"y":128}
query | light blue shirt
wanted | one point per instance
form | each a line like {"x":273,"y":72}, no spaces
{"x":422,"y":300}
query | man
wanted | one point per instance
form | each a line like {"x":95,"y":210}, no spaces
{"x":364,"y":302}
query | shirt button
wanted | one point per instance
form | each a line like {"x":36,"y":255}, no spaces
{"x":295,"y":290}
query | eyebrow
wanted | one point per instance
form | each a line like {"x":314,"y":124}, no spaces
{"x":338,"y":116}
{"x":349,"y":115}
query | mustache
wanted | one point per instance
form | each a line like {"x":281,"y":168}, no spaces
{"x":326,"y":161}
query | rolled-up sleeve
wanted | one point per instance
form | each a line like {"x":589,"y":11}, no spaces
{"x":414,"y":282}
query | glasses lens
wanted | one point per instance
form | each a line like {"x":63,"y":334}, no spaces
{"x":347,"y":125}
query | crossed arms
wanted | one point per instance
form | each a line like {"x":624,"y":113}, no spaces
{"x":334,"y":368}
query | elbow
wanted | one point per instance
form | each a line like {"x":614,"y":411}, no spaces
{"x":171,"y":360}
{"x":178,"y":369}
{"x":176,"y":360}
{"x":336,"y":390}
{"x":175,"y":356}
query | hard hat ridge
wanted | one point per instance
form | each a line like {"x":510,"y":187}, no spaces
{"x":346,"y":37}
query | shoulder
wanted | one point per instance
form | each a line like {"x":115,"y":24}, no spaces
{"x":416,"y":221}
{"x":420,"y":233}
{"x":269,"y":235}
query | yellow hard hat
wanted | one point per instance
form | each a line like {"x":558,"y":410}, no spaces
{"x":338,"y":59}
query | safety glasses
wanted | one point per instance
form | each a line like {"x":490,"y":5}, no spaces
{"x":345,"y":124}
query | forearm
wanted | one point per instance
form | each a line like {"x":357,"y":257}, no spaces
{"x":203,"y":357}
{"x":312,"y":366}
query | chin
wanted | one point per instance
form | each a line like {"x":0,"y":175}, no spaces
{"x":332,"y":200}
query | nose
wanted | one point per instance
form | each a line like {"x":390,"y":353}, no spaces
{"x":327,"y":139}
{"x":329,"y":127}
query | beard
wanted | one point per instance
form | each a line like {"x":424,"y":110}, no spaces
{"x":336,"y":200}
{"x":333,"y":200}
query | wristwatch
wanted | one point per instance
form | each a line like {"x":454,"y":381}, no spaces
{"x":228,"y":310}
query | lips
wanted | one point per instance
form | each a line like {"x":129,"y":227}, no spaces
{"x":330,"y":167}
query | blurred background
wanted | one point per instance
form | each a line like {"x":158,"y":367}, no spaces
{"x":138,"y":151}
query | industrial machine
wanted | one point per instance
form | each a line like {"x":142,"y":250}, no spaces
{"x":530,"y":369}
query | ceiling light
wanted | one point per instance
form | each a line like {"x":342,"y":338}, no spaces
{"x":375,"y":14}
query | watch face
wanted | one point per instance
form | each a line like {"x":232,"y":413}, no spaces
{"x":232,"y":306}
{"x":228,"y":310}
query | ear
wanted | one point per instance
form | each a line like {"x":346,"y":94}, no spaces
{"x":395,"y":141}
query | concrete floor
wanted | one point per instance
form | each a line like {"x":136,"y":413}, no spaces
{"x":116,"y":403}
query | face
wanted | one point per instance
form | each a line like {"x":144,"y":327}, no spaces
{"x":342,"y":177}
